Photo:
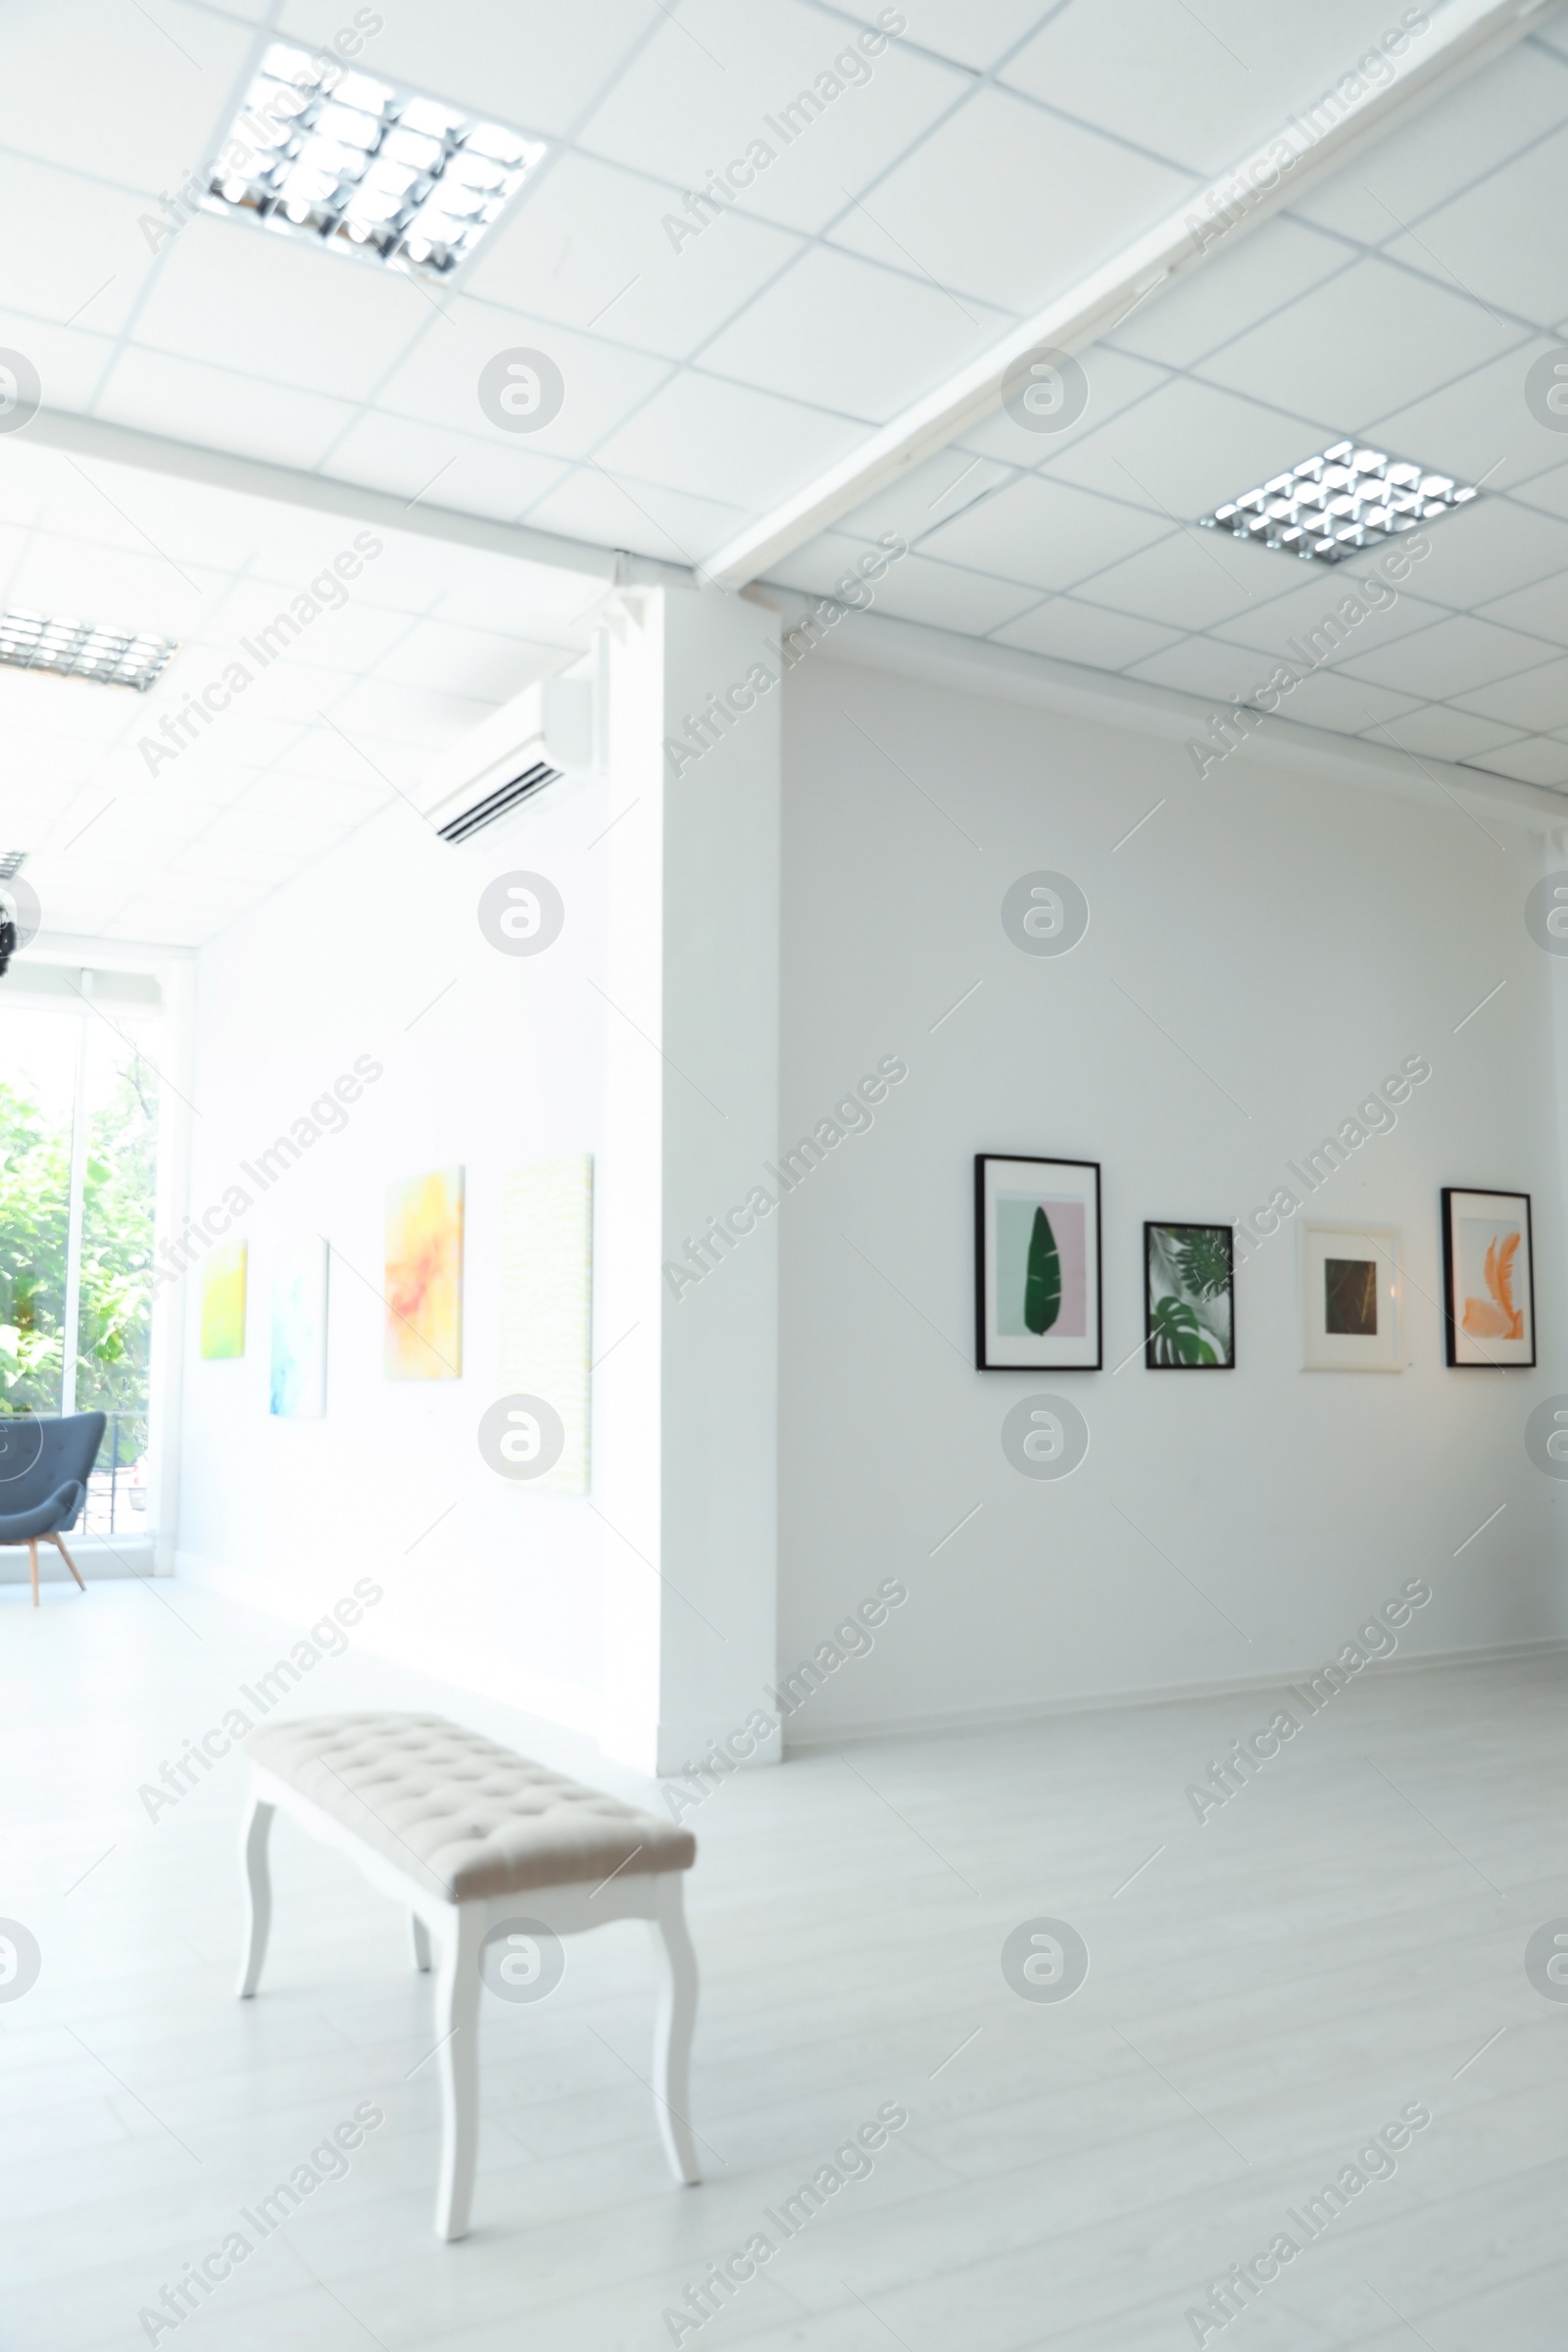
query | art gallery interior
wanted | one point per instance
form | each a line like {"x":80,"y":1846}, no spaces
{"x":783,"y":885}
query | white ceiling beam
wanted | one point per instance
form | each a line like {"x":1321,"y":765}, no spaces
{"x":1462,"y":34}
{"x":256,"y":477}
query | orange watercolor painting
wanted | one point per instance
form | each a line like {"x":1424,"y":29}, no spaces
{"x":424,"y":1276}
{"x":1496,"y":1317}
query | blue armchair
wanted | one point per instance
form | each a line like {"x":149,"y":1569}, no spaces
{"x":45,"y":1468}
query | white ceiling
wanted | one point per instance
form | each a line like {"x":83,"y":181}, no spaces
{"x":998,"y":151}
{"x":426,"y":641}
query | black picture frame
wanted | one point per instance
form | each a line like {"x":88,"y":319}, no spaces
{"x":1151,"y":1361}
{"x":1483,"y":1360}
{"x":988,"y":1355}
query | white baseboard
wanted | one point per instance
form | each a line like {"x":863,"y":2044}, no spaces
{"x":98,"y":1559}
{"x":981,"y":1719}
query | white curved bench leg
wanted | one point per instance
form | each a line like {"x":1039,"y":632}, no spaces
{"x":258,"y":1892}
{"x":674,"y":2027}
{"x":421,"y":1944}
{"x":457,"y":2021}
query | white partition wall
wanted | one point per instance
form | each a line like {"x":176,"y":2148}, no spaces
{"x":642,"y":1612}
{"x":688,"y":1396}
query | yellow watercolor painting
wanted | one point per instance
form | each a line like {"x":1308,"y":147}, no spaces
{"x":424,"y":1276}
{"x":223,"y":1302}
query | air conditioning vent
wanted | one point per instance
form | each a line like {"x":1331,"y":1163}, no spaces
{"x":543,"y":735}
{"x":496,"y":803}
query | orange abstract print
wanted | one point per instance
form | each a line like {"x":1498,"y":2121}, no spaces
{"x":424,"y":1276}
{"x":1496,"y":1317}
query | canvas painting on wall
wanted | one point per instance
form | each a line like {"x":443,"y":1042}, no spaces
{"x":1188,"y":1298}
{"x":1488,"y":1281}
{"x":1037,"y":1263}
{"x":297,"y":1372}
{"x":1352,"y":1298}
{"x":423,"y":1337}
{"x":547,"y":1226}
{"x":223,"y":1272}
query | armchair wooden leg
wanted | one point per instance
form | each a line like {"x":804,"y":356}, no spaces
{"x":32,"y":1562}
{"x":66,"y":1556}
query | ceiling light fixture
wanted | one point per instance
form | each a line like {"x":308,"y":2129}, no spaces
{"x":1348,"y":497}
{"x":77,"y":649}
{"x":321,"y":151}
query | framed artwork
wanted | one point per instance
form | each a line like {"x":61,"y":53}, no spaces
{"x":1352,"y":1299}
{"x":1036,"y":1263}
{"x":1189,"y":1298}
{"x":296,"y":1388}
{"x":423,"y":1332}
{"x":1489,"y":1279}
{"x":223,"y":1302}
{"x":547,"y":1236}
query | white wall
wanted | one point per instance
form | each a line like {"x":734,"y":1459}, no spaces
{"x":643,"y":1613}
{"x":1293,"y":938}
{"x":490,"y":1061}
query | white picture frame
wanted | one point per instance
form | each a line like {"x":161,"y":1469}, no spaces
{"x":1352,"y":1298}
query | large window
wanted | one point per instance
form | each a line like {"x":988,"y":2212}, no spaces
{"x":78,"y":1127}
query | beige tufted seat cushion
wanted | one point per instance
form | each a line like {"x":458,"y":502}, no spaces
{"x":461,"y":1815}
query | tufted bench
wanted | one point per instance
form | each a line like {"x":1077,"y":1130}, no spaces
{"x":454,"y":1828}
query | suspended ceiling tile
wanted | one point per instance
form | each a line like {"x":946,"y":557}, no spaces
{"x":1460,"y":138}
{"x":591,"y":248}
{"x":1114,"y":381}
{"x":1538,"y":701}
{"x":1189,"y":579}
{"x":276,"y":307}
{"x":1490,"y":236}
{"x":1370,"y":341}
{"x":183,"y":400}
{"x":954,"y":208}
{"x":972,"y":32}
{"x":716,"y":82}
{"x":1071,"y":631}
{"x":1453,"y":657}
{"x":1192,"y":315}
{"x":618,"y":510}
{"x":1440,"y":732}
{"x":846,"y":335}
{"x":157,"y":97}
{"x":529,"y":63}
{"x":1537,"y":761}
{"x":945,"y":597}
{"x":1187,"y":448}
{"x":726,"y":441}
{"x":1046,"y":534}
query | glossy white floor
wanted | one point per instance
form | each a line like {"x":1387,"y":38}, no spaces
{"x":1344,"y":1939}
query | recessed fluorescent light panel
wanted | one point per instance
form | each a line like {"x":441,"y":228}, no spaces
{"x":76,"y":649}
{"x":321,"y":151}
{"x":1345,"y":499}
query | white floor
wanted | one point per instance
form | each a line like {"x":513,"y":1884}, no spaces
{"x":1340,"y":1941}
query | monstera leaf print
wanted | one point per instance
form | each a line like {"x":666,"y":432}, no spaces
{"x":1178,"y":1337}
{"x":1041,"y":1282}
